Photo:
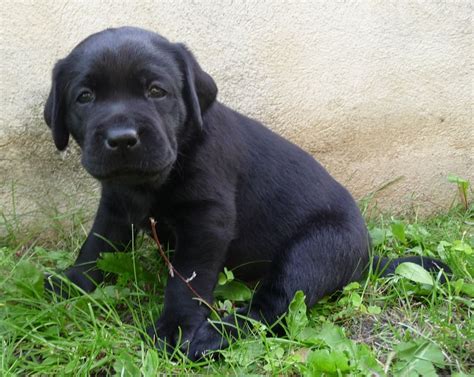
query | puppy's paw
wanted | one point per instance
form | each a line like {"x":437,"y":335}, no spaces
{"x":207,"y":338}
{"x":72,"y":282}
{"x":167,"y":336}
{"x":59,"y":287}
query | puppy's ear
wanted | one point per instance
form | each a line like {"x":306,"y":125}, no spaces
{"x":199,"y":89}
{"x":55,"y":109}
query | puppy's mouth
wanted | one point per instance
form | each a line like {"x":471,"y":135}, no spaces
{"x":133,"y":176}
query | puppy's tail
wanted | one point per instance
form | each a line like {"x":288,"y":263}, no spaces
{"x":386,"y":266}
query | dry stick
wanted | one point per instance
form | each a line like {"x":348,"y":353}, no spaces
{"x":173,"y":270}
{"x":463,"y":197}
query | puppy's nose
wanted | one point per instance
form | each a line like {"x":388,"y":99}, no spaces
{"x":121,"y":138}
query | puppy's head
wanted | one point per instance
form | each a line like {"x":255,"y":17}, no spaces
{"x":130,"y":99}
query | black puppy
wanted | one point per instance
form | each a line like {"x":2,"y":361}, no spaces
{"x":226,"y":191}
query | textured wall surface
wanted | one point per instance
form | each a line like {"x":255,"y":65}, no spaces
{"x":376,"y":90}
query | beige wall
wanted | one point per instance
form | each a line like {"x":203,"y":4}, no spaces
{"x":376,"y":90}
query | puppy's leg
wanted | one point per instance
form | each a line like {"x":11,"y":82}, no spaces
{"x":201,"y":245}
{"x":110,"y":232}
{"x":318,"y":262}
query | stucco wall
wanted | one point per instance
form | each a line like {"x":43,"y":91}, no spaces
{"x":376,"y":90}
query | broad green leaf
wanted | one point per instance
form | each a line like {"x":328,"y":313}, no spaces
{"x":458,"y":284}
{"x":278,"y":352}
{"x":343,"y":356}
{"x":296,"y":318}
{"x":356,"y":300}
{"x":362,"y":308}
{"x":124,"y":265}
{"x":125,"y":365}
{"x":365,"y":360}
{"x":234,"y":291}
{"x":373,"y":309}
{"x":441,"y":248}
{"x":229,"y":274}
{"x":420,"y":349}
{"x":63,"y":259}
{"x":416,"y":232}
{"x":117,"y":263}
{"x":332,"y":335}
{"x":27,"y":279}
{"x":329,"y":362}
{"x":225,"y":276}
{"x":415,"y":369}
{"x":398,"y":230}
{"x":418,"y":357}
{"x":468,"y":289}
{"x":113,"y":291}
{"x":221,"y":279}
{"x":245,"y":353}
{"x":352,"y":286}
{"x":151,"y":364}
{"x":310,"y":335}
{"x":414,"y":272}
{"x":462,"y":246}
{"x":377,"y":236}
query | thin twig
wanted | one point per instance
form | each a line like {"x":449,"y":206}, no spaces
{"x":173,"y":271}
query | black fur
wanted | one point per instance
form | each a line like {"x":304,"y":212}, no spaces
{"x":225,"y":190}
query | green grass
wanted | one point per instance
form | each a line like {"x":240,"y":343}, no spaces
{"x":390,"y":326}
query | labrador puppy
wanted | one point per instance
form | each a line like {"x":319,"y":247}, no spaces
{"x":225,"y":190}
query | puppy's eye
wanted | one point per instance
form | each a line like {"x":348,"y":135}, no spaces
{"x":85,"y":96}
{"x":156,"y":92}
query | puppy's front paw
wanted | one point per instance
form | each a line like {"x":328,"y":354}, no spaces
{"x":207,"y":338}
{"x":59,"y":287}
{"x":74,"y":279}
{"x":167,"y":335}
